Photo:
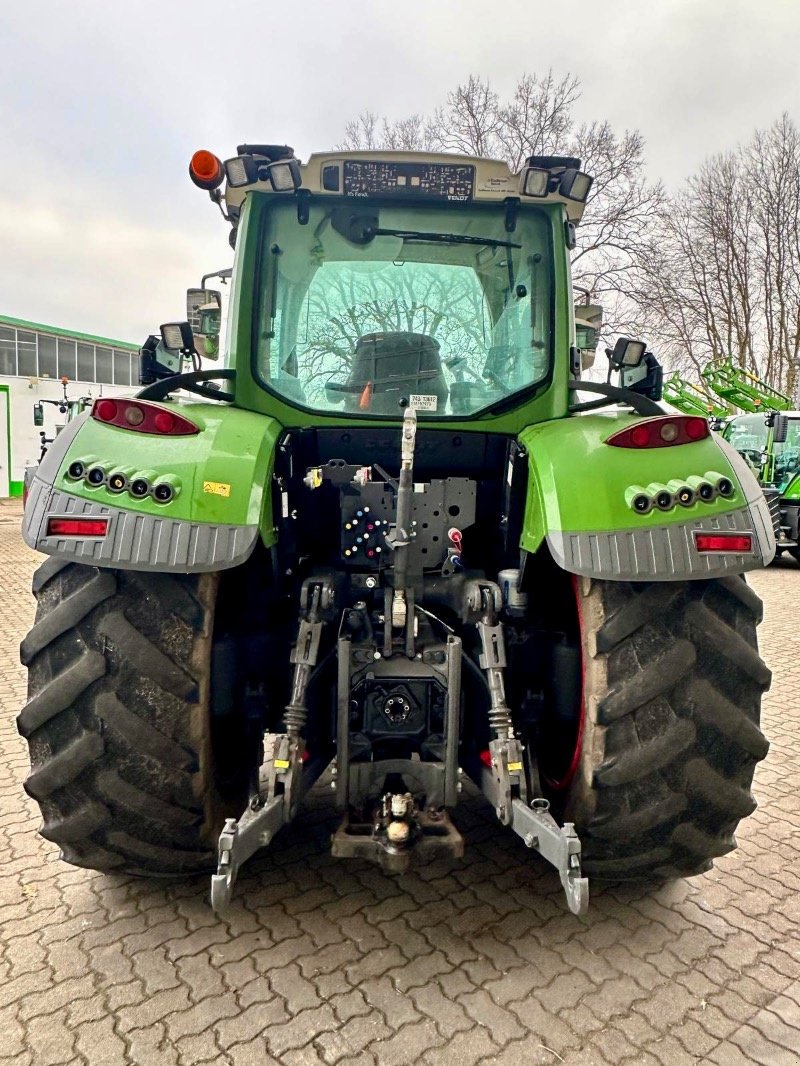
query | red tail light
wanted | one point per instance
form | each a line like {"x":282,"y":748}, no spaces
{"x":661,"y":432}
{"x":142,"y":416}
{"x":723,"y":542}
{"x":77,"y":527}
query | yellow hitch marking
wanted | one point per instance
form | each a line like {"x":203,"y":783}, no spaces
{"x":217,"y":488}
{"x":281,"y":764}
{"x":514,"y":767}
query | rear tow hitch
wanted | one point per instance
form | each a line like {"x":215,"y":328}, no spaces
{"x":399,"y":834}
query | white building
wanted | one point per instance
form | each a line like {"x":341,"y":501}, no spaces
{"x":33,"y":360}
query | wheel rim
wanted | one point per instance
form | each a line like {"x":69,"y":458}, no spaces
{"x":560,"y":782}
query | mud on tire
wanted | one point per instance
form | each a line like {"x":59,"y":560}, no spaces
{"x":672,"y":692}
{"x":117,"y":718}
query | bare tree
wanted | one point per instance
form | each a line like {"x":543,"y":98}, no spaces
{"x":723,"y":277}
{"x":772,"y":163}
{"x":537,"y":119}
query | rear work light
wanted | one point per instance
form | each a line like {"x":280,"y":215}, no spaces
{"x":663,"y":432}
{"x":142,"y":416}
{"x":77,"y":527}
{"x":723,"y":542}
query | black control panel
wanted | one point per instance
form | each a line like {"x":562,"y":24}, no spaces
{"x":368,"y":513}
{"x":430,"y":181}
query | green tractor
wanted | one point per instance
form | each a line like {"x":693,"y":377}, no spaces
{"x":388,"y":539}
{"x":771,"y":444}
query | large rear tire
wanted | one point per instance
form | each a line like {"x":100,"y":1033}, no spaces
{"x":670,"y":736}
{"x":117,"y":718}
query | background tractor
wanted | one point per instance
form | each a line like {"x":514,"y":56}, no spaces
{"x":390,"y":537}
{"x":757,"y":421}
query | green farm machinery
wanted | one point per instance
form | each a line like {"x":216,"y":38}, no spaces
{"x":756,"y":419}
{"x":394,"y":537}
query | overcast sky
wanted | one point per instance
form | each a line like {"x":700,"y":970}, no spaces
{"x":102,"y":105}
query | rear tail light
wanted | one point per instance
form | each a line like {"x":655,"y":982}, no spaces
{"x":723,"y":542}
{"x":143,"y":417}
{"x":661,"y":432}
{"x":77,"y":527}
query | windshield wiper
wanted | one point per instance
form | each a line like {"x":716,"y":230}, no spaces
{"x":443,"y":238}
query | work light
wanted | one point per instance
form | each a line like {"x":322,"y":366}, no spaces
{"x":177,"y":336}
{"x":285,"y":175}
{"x":536,"y":182}
{"x":241,"y":170}
{"x":575,"y":185}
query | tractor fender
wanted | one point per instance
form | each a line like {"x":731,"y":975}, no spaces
{"x":581,"y":503}
{"x":219,"y":480}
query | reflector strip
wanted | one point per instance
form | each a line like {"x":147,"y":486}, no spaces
{"x":77,"y":527}
{"x":723,"y":542}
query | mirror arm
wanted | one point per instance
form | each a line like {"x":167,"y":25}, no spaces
{"x":642,"y":405}
{"x":161,"y":389}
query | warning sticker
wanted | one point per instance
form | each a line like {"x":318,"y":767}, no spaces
{"x":422,"y":402}
{"x":217,"y":488}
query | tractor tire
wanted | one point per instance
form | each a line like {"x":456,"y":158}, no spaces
{"x":117,"y":718}
{"x":672,"y":684}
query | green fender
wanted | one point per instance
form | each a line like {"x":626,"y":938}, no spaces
{"x":220,"y":477}
{"x":581,"y":490}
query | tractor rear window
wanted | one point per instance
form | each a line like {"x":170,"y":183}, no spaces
{"x":367,"y":309}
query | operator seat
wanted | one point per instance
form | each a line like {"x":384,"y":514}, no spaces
{"x":389,"y":368}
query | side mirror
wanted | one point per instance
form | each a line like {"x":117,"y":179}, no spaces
{"x":204,"y":315}
{"x":626,"y":353}
{"x":38,"y":414}
{"x":588,"y":323}
{"x":780,"y":428}
{"x":198,"y":300}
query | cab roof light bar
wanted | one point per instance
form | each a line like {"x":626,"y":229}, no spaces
{"x":555,"y":174}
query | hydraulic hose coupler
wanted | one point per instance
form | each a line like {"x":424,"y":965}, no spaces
{"x":702,"y":488}
{"x":638,"y":499}
{"x":166,"y":488}
{"x":141,"y":483}
{"x":682,"y":493}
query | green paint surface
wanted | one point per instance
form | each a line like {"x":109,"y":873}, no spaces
{"x":233,"y":454}
{"x":578,"y":482}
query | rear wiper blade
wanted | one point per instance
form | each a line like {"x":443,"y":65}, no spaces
{"x":443,"y":238}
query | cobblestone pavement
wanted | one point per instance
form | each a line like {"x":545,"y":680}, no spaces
{"x":460,"y":963}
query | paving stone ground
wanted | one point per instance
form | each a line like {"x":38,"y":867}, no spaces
{"x":476,"y":962}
